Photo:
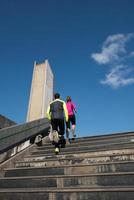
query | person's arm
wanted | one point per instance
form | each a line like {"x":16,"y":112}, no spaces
{"x":65,"y":111}
{"x":48,"y":113}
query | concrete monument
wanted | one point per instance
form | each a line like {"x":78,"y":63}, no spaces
{"x":41,"y":91}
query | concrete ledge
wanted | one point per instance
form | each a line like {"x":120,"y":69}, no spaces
{"x":15,"y":135}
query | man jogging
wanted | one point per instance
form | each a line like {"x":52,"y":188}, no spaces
{"x":56,"y":113}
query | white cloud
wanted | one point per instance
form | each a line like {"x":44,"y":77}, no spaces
{"x":118,"y":38}
{"x":114,"y":53}
{"x":112,"y":49}
{"x":119,"y":76}
{"x":109,"y":54}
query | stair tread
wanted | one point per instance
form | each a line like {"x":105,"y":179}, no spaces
{"x":70,"y":175}
{"x":72,"y":155}
{"x":71,"y":189}
{"x":73,"y":165}
{"x":82,"y":151}
{"x":106,"y":136}
{"x":89,"y":145}
{"x":83,"y":142}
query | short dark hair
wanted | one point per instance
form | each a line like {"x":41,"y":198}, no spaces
{"x":56,"y":95}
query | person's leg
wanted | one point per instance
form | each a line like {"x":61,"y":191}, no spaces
{"x":73,"y":130}
{"x":54,"y":123}
{"x":73,"y":122}
{"x":61,"y":133}
{"x":67,"y":131}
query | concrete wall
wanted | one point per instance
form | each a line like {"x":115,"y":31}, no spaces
{"x":5,"y":122}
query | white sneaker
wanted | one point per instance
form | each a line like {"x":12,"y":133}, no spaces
{"x":57,"y":150}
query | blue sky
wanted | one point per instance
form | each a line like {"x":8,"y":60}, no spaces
{"x":90,"y":47}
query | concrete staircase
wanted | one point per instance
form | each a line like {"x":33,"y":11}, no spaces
{"x":90,"y":168}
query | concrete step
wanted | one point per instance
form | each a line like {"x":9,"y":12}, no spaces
{"x":126,"y":136}
{"x":126,"y":152}
{"x":84,"y":148}
{"x":92,"y":141}
{"x":74,"y":161}
{"x":85,"y":159}
{"x":124,"y":166}
{"x":63,"y":181}
{"x":107,"y":136}
{"x":99,"y":193}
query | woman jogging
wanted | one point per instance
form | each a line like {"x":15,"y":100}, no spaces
{"x":71,"y":123}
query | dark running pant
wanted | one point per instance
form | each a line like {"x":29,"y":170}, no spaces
{"x":71,"y":120}
{"x":59,"y":126}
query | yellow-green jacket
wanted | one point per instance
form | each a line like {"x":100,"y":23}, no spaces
{"x":57,"y":110}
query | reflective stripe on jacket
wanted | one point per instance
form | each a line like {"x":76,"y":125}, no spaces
{"x":57,"y":110}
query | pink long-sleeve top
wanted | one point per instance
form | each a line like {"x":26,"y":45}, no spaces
{"x":71,"y":108}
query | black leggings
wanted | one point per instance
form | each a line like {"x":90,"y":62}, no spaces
{"x":59,"y":126}
{"x":71,"y":120}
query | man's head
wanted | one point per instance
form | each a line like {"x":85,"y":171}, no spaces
{"x":56,"y":95}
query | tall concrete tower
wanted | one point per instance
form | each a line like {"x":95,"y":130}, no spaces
{"x":41,"y":91}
